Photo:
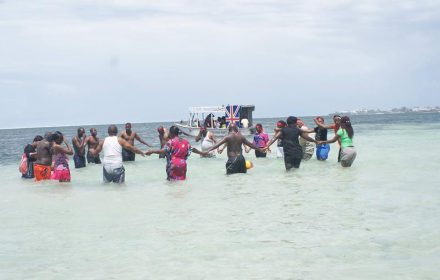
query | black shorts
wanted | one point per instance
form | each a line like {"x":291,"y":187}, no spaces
{"x":291,"y":162}
{"x":236,"y":165}
{"x":93,"y":159}
{"x":259,"y":154}
{"x":128,"y":155}
{"x":80,"y":161}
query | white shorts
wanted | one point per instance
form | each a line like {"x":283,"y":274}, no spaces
{"x":280,"y":152}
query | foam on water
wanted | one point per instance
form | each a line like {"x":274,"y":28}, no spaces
{"x":376,"y":220}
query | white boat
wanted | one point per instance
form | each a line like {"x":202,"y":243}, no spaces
{"x":218,"y":118}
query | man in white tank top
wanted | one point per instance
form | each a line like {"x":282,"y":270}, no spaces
{"x":113,"y":170}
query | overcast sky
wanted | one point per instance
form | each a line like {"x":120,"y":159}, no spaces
{"x":105,"y":61}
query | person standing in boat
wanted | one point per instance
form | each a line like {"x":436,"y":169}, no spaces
{"x":208,"y":140}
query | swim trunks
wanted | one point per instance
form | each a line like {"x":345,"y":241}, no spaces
{"x":112,"y":174}
{"x":236,"y":165}
{"x":93,"y":159}
{"x":259,"y":154}
{"x":128,"y":155}
{"x":80,"y":161}
{"x":322,"y":151}
{"x":41,"y":172}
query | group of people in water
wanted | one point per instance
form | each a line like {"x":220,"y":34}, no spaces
{"x":47,"y":157}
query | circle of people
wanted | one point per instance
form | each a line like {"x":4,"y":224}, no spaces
{"x":47,"y":157}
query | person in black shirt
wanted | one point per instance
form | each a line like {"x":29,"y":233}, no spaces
{"x":30,"y":151}
{"x":293,"y":152}
{"x":320,"y":131}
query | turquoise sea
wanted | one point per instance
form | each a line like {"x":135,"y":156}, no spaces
{"x":379,"y":219}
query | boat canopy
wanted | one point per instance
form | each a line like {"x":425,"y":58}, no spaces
{"x":230,"y":113}
{"x":209,"y":109}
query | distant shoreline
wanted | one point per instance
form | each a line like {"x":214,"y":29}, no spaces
{"x":390,"y":112}
{"x":259,"y":118}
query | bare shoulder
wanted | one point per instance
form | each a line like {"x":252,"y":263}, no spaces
{"x":56,"y":147}
{"x":122,"y":140}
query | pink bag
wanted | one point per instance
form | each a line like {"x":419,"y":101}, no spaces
{"x":23,"y":167}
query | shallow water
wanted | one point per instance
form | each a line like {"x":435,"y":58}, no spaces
{"x":376,"y":220}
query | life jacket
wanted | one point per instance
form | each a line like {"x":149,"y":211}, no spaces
{"x":23,"y":166}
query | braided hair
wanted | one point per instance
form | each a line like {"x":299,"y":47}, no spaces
{"x":346,"y":123}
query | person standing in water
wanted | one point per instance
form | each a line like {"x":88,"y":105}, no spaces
{"x":93,"y":142}
{"x":345,"y":136}
{"x":113,"y":169}
{"x":280,"y":125}
{"x":234,"y":140}
{"x":61,"y":171}
{"x":176,"y":150}
{"x":129,"y":135}
{"x":322,"y":150}
{"x":31,"y":156}
{"x":162,"y":138}
{"x":293,"y":152}
{"x":79,"y":146}
{"x":307,"y":147}
{"x":42,"y":166}
{"x":335,"y":126}
{"x":260,"y":140}
{"x":208,"y":140}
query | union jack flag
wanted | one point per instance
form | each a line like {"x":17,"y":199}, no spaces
{"x":232,"y":115}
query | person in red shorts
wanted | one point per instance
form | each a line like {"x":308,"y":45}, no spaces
{"x":42,"y":167}
{"x":61,"y":171}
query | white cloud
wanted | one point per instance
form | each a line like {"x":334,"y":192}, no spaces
{"x":104,"y":48}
